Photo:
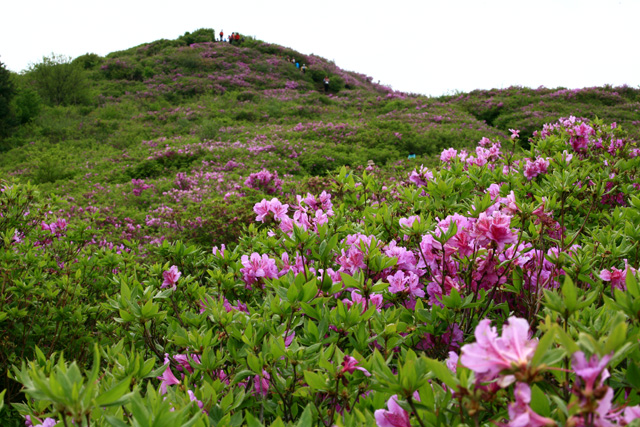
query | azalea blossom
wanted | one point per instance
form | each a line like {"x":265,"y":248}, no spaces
{"x":395,"y":416}
{"x":171,"y":277}
{"x":256,"y":267}
{"x":591,"y":372}
{"x":490,"y":355}
{"x":349,"y":364}
{"x":496,"y":228}
{"x":520,"y":412}
{"x":167,"y":377}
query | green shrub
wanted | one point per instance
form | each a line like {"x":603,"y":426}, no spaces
{"x":247,"y":96}
{"x":88,"y":61}
{"x":52,"y":166}
{"x":27,"y":105}
{"x":189,"y":60}
{"x":7,"y":92}
{"x":201,"y":35}
{"x":59,"y":81}
{"x":247,"y":116}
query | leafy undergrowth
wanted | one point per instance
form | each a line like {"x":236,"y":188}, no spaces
{"x":495,"y":288}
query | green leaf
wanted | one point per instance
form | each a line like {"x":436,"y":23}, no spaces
{"x":567,"y":342}
{"x":251,"y":420}
{"x":570,"y":293}
{"x":633,"y":374}
{"x":315,"y":381}
{"x":115,"y":421}
{"x":306,"y":419}
{"x":617,"y":337}
{"x":539,"y":402}
{"x":113,"y":395}
{"x":254,"y":363}
{"x":632,"y":284}
{"x":543,"y":345}
{"x":442,"y":372}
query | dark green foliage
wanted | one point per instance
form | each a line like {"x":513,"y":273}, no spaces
{"x":201,"y":35}
{"x":210,"y":129}
{"x":152,"y":168}
{"x":27,"y":104}
{"x":7,"y":92}
{"x":59,"y":81}
{"x":247,"y":96}
{"x":117,"y":69}
{"x":247,"y":116}
{"x":88,"y":61}
{"x":189,"y":60}
{"x":528,"y":109}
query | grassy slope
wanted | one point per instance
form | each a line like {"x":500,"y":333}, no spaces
{"x":174,"y":130}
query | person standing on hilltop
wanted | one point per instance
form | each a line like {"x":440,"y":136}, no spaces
{"x":326,"y":84}
{"x":237,"y":38}
{"x":221,"y":36}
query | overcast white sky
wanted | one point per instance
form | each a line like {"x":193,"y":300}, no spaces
{"x":431,"y":47}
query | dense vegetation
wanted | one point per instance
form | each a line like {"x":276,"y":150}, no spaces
{"x":194,"y":233}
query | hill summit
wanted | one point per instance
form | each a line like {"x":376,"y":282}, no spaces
{"x":179,"y":138}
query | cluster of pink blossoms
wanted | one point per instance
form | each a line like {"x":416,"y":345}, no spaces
{"x":265,"y":181}
{"x":57,"y":228}
{"x":492,"y":355}
{"x":421,"y":177}
{"x":256,"y":267}
{"x":395,"y":416}
{"x":139,"y":186}
{"x":308,"y":212}
{"x":171,"y":277}
{"x":487,"y":153}
{"x":616,"y":276}
{"x":535,"y":167}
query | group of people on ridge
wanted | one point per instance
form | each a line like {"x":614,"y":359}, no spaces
{"x":233,"y":38}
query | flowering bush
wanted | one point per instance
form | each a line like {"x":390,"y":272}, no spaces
{"x":472,"y":293}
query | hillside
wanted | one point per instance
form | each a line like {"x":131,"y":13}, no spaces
{"x":160,"y":139}
{"x":196,"y":233}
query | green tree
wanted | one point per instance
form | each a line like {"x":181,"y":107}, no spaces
{"x":7,"y":92}
{"x":60,"y":81}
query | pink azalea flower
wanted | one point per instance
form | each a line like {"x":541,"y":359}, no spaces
{"x":167,"y":378}
{"x":47,"y":422}
{"x":349,"y":364}
{"x":171,"y":277}
{"x":514,"y":133}
{"x":520,"y":412}
{"x":408,"y":222}
{"x":219,"y":252}
{"x":193,"y":398}
{"x":631,"y":413}
{"x":448,"y":155}
{"x":452,"y":361}
{"x":615,"y":276}
{"x":592,"y":372}
{"x":490,"y":355}
{"x":262,"y":209}
{"x":395,"y":416}
{"x":494,"y":228}
{"x":261,"y":383}
{"x":256,"y":267}
{"x":421,"y":177}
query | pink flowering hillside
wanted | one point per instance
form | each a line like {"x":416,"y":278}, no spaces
{"x":207,"y":238}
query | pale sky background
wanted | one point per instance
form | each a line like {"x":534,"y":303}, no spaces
{"x":428,"y":47}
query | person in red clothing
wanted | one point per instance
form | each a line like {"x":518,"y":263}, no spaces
{"x":237,"y":38}
{"x":221,"y":36}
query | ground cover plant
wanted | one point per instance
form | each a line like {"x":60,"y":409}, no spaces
{"x":235,"y":259}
